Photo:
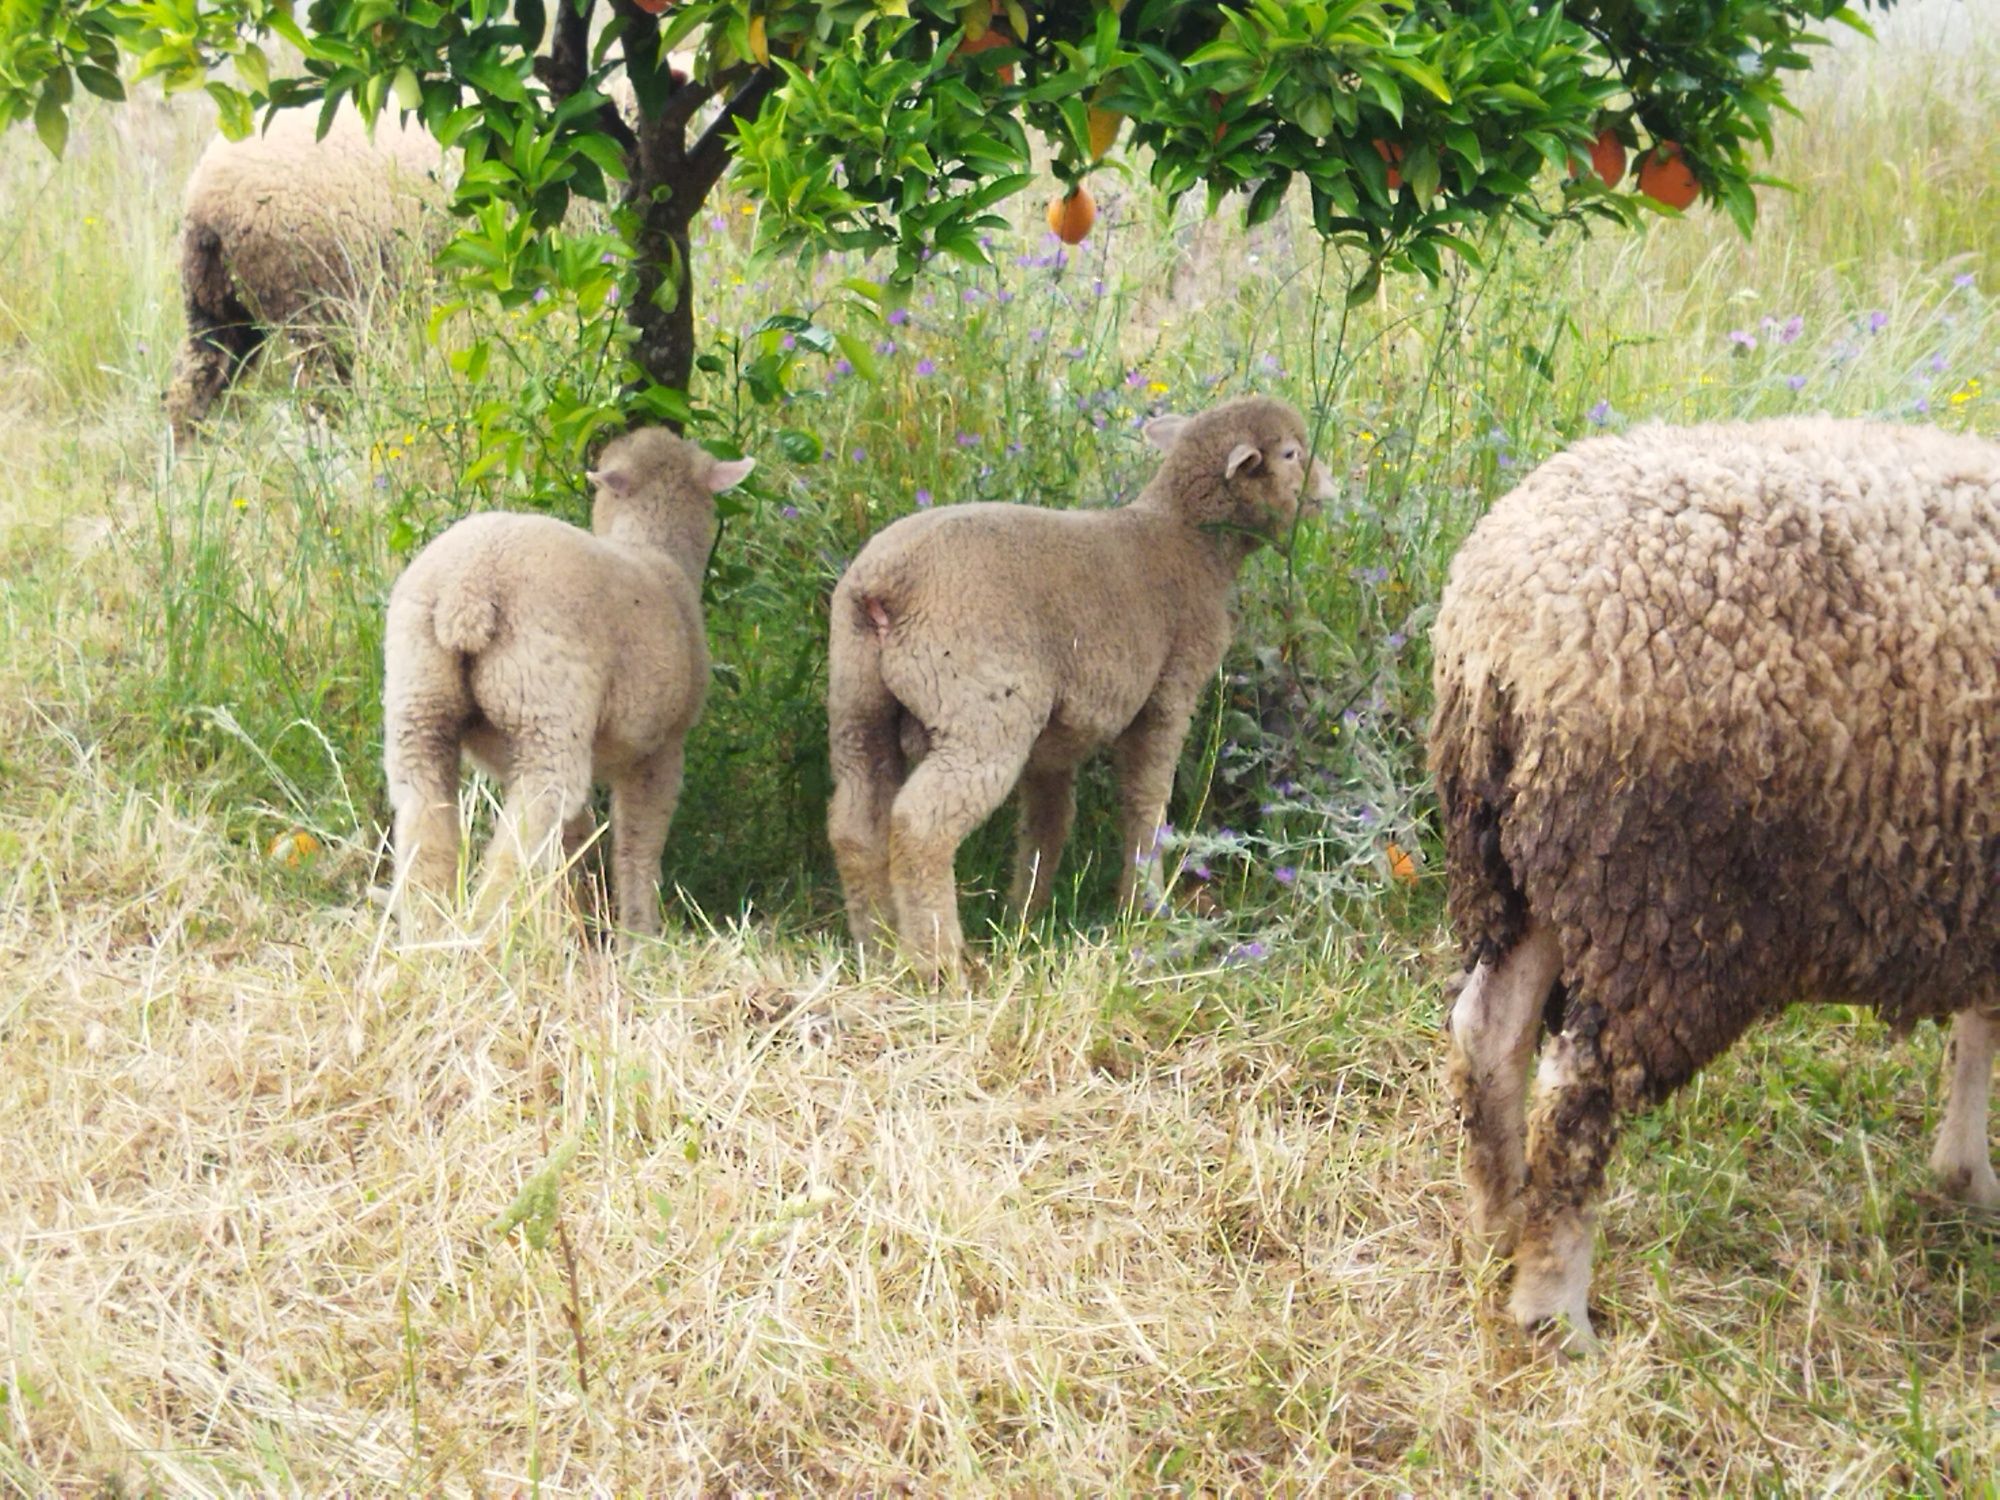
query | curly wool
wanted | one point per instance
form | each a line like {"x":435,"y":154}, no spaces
{"x":284,"y":229}
{"x":1721,"y":705}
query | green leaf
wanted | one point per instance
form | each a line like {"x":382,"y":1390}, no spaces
{"x":860,"y":355}
{"x":51,"y":121}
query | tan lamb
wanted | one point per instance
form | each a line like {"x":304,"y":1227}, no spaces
{"x":981,"y":646}
{"x":554,"y":657}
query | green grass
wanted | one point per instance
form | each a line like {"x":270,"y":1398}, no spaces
{"x":1166,"y":1204}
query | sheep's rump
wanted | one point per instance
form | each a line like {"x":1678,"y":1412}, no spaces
{"x":1722,"y":705}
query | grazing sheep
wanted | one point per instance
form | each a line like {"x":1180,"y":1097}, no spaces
{"x":999,"y":644}
{"x":1717,"y":729}
{"x":552,"y":657}
{"x":283,"y":230}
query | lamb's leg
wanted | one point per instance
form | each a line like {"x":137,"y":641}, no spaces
{"x":950,"y":794}
{"x":550,"y":785}
{"x":1571,"y":1131}
{"x":1048,"y":807}
{"x":1959,"y":1159}
{"x":1494,"y":1027}
{"x":1144,"y":757}
{"x":422,"y":767}
{"x":642,"y":810}
{"x":866,"y":753}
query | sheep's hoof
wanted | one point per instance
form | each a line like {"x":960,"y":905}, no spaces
{"x":1561,"y":1337}
{"x":1968,"y":1184}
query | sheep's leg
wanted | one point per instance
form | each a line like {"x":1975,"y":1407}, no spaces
{"x":946,"y":797}
{"x":1144,"y":757}
{"x":1960,"y":1160}
{"x":422,"y":768}
{"x":1494,"y":1027}
{"x":642,"y":810}
{"x":1571,"y":1131}
{"x":867,"y":756}
{"x":550,"y":787}
{"x":1048,"y":807}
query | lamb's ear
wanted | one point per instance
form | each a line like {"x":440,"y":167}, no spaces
{"x":1163,"y":429}
{"x":1244,"y":456}
{"x":726,"y":474}
{"x":617,"y":481}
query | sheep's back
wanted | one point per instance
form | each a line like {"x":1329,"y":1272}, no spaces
{"x":298,"y":218}
{"x":1725,"y":702}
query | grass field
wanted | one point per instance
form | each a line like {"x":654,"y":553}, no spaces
{"x":1164,"y":1204}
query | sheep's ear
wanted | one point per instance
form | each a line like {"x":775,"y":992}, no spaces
{"x":617,"y":481}
{"x":726,"y":474}
{"x":1163,"y":429}
{"x":1244,"y":456}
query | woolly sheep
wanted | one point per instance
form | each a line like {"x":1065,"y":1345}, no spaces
{"x":1717,"y":729}
{"x":551,"y":657}
{"x":283,"y":230}
{"x":997,"y":644}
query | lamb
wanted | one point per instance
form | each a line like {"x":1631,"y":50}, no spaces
{"x":1717,"y":729}
{"x":551,"y":657}
{"x":994,"y":644}
{"x":283,"y":230}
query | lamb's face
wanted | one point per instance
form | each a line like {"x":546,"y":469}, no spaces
{"x":1245,"y":464}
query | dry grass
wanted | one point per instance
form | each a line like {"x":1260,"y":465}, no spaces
{"x":1098,"y":1228}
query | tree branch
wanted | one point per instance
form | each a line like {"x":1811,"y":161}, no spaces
{"x":567,"y":67}
{"x":711,"y":153}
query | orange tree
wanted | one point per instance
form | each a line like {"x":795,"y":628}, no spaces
{"x":903,"y":125}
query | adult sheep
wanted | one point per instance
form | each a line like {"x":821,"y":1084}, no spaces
{"x":1717,"y":729}
{"x":285,"y":230}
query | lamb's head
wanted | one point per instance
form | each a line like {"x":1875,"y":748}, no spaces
{"x":1241,"y":468}
{"x":658,"y":490}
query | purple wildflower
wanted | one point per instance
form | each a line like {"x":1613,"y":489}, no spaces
{"x":968,"y":440}
{"x":1270,"y":364}
{"x":1097,"y":287}
{"x":1284,"y":874}
{"x":789,"y":341}
{"x":1600,"y":414}
{"x":1075,"y":352}
{"x":840,"y":367}
{"x":1244,"y":953}
{"x":1003,"y":296}
{"x":1790,"y":329}
{"x":971,"y":294}
{"x":1962,"y":280}
{"x":1796,"y":382}
{"x":1396,"y":641}
{"x":1921,"y":406}
{"x":1743,"y":338}
{"x":1937,"y":363}
{"x":898,"y":316}
{"x":790,"y":512}
{"x":1036,"y":335}
{"x":1877,"y":321}
{"x":860,"y":454}
{"x":923,"y":499}
{"x":926,"y":366}
{"x":885,"y":346}
{"x":612,"y":296}
{"x":541,"y":295}
{"x":1200,"y":871}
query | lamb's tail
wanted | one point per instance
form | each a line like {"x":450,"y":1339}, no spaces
{"x":467,"y":614}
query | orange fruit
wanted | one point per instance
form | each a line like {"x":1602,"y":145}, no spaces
{"x":986,"y":41}
{"x":292,"y":849}
{"x":1103,"y":125}
{"x":1608,"y":157}
{"x":652,"y":7}
{"x":1401,"y":866}
{"x":1664,"y":176}
{"x":1071,"y":214}
{"x":1390,"y":155}
{"x":1607,"y":160}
